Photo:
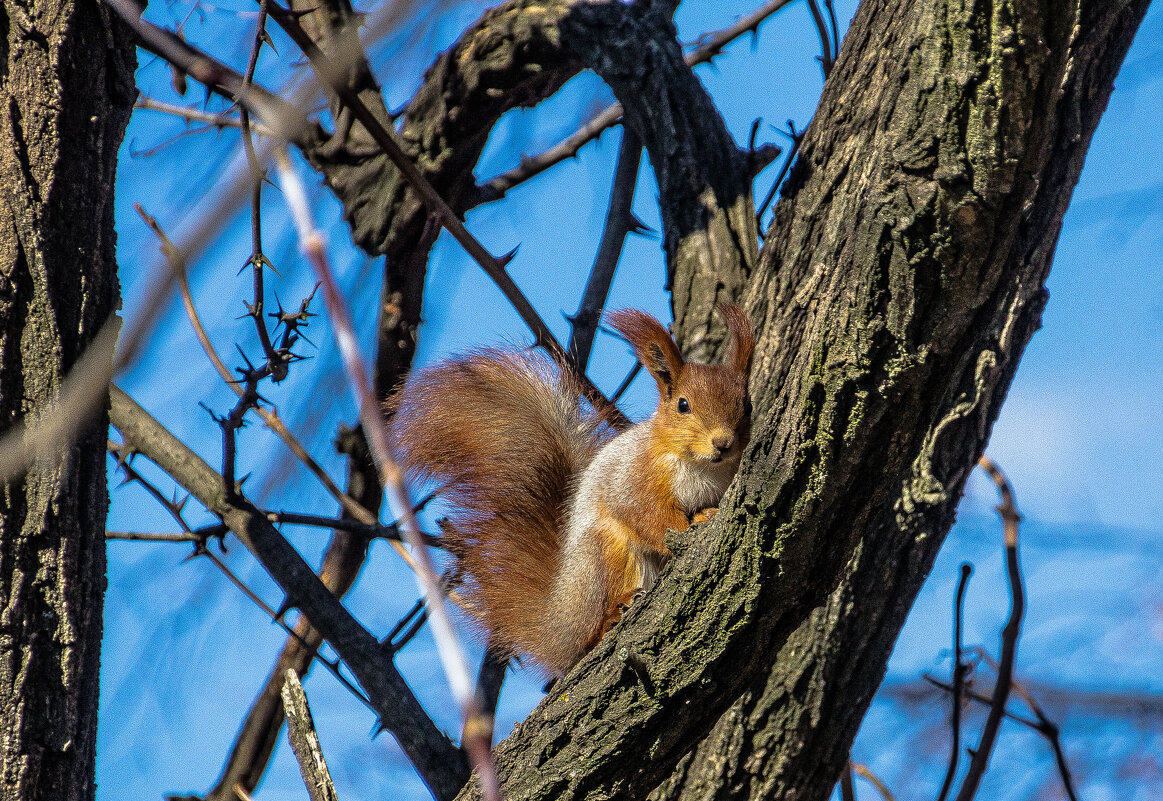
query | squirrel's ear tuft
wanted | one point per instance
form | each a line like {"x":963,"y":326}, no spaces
{"x":652,"y":343}
{"x":742,"y":338}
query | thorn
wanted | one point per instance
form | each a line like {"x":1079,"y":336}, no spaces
{"x":503,"y":261}
{"x":636,"y":226}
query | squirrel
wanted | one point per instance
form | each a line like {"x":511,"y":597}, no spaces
{"x":557,"y":521}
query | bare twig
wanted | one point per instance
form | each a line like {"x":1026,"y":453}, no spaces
{"x":392,"y":480}
{"x":1040,"y":723}
{"x":863,"y":772}
{"x":194,"y":114}
{"x":283,"y":118}
{"x":373,"y":531}
{"x":269,"y":417}
{"x":959,"y":669}
{"x":136,"y":536}
{"x":1005,"y":670}
{"x":490,"y":677}
{"x":1048,"y":729}
{"x":826,"y":50}
{"x":626,"y":382}
{"x":796,"y":138}
{"x":620,"y":222}
{"x":304,"y":741}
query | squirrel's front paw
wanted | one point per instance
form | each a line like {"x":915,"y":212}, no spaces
{"x":704,"y":515}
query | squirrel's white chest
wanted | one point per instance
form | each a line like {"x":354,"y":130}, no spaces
{"x":698,"y":485}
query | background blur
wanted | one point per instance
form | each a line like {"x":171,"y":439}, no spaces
{"x":1079,"y":436}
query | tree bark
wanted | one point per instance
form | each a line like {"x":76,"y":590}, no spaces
{"x":902,"y":278}
{"x":66,"y":92}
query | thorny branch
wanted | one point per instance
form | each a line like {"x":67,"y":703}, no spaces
{"x":437,"y":760}
{"x":200,"y":538}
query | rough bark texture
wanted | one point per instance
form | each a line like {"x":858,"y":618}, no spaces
{"x":902,"y":279}
{"x":66,"y":90}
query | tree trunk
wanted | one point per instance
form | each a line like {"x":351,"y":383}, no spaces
{"x":900,"y":283}
{"x":66,"y":94}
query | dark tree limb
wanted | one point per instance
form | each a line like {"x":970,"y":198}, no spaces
{"x":620,"y":222}
{"x":900,"y":284}
{"x":979,"y":759}
{"x":704,"y":179}
{"x":958,"y":686}
{"x":440,"y":764}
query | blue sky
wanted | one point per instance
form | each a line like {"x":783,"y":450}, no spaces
{"x":1079,"y":435}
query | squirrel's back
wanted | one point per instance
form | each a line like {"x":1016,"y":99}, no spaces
{"x":503,"y":433}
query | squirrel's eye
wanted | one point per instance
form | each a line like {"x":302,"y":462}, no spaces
{"x":683,"y":406}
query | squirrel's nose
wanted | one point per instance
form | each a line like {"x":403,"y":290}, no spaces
{"x":723,"y":442}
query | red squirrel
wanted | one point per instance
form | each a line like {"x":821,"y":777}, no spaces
{"x":557,"y":523}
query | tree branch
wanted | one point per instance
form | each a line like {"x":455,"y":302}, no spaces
{"x":620,"y":222}
{"x":704,"y":179}
{"x":438,"y":761}
{"x":979,"y":760}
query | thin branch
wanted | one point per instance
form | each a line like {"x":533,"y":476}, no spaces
{"x":959,"y":670}
{"x":374,"y":531}
{"x":626,"y":382}
{"x":620,"y":222}
{"x":796,"y":138}
{"x":709,"y":46}
{"x":391,"y":477}
{"x":490,"y":678}
{"x":195,"y":114}
{"x":304,"y":741}
{"x":1040,"y":723}
{"x":863,"y":772}
{"x":831,"y":9}
{"x":284,"y":119}
{"x":826,"y":49}
{"x":1005,"y":671}
{"x":136,"y":536}
{"x":1050,"y":730}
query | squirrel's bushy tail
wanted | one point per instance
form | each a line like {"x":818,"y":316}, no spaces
{"x":503,"y":434}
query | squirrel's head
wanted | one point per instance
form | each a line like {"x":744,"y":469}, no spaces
{"x":704,"y":413}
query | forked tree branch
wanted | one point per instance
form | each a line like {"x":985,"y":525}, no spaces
{"x":437,"y":760}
